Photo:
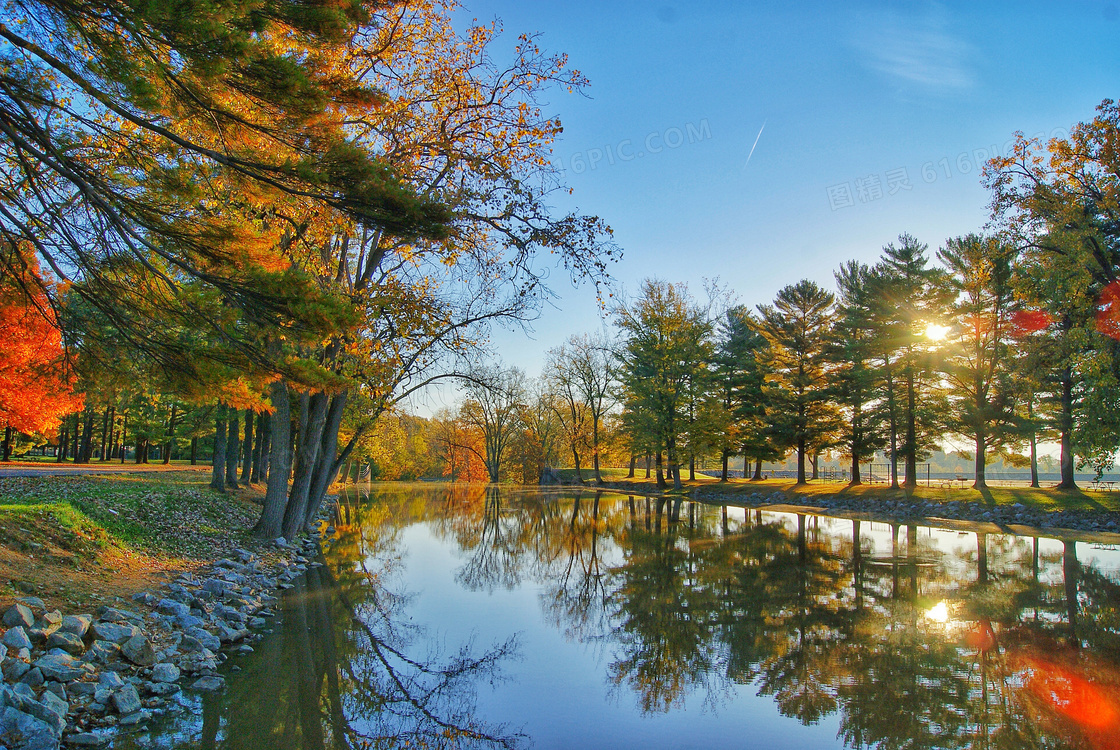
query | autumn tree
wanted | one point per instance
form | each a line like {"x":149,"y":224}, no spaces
{"x":36,"y":385}
{"x":495,"y":398}
{"x":978,"y":362}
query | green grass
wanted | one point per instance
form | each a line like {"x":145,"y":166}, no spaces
{"x":168,"y":513}
{"x":1045,"y":499}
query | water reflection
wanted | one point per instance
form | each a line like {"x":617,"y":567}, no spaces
{"x":344,"y":669}
{"x":892,"y":636}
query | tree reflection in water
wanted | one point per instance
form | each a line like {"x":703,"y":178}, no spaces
{"x":345,"y":670}
{"x":990,"y":644}
{"x":685,"y":600}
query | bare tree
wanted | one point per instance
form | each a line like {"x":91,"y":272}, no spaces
{"x":495,"y":397}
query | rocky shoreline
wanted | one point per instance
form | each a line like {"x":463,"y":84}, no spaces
{"x":916,"y":509}
{"x":78,"y":679}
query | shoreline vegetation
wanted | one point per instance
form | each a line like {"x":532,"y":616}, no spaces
{"x":81,"y":541}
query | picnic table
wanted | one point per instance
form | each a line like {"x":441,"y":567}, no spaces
{"x":1102,"y":484}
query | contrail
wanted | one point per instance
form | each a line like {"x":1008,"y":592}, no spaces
{"x":755,"y":144}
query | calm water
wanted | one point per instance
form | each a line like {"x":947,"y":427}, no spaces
{"x":476,"y":617}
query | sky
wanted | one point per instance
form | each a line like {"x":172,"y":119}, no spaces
{"x":762,"y":144}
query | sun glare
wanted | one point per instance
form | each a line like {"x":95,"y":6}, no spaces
{"x":935,"y":332}
{"x":939,"y":613}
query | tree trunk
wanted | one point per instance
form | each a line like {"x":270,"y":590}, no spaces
{"x":595,"y":463}
{"x":218,"y":460}
{"x":247,"y":450}
{"x":647,"y":464}
{"x":141,"y":451}
{"x":7,"y":443}
{"x":633,"y":461}
{"x":726,"y":460}
{"x":233,"y":445}
{"x":63,"y":441}
{"x":266,"y":448}
{"x":271,"y":521}
{"x":980,"y":462}
{"x":76,"y":448}
{"x":124,"y":434}
{"x":112,"y":445}
{"x":170,"y":435}
{"x":329,"y":460}
{"x":194,"y":451}
{"x":313,"y":417}
{"x":911,"y":431}
{"x":579,"y":471}
{"x":104,"y":434}
{"x":660,"y":473}
{"x":1065,"y":420}
{"x":801,"y":461}
{"x":856,"y":478}
{"x":692,"y":468}
{"x":815,"y":461}
{"x":757,"y":470}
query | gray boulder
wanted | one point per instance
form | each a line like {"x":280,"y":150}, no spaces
{"x":33,"y":678}
{"x":208,"y":640}
{"x":14,"y":669}
{"x":19,"y":615}
{"x":87,"y":739}
{"x":59,"y":666}
{"x":165,"y":673}
{"x":32,"y":601}
{"x":139,"y":651}
{"x":68,"y":642}
{"x":173,"y":608}
{"x":110,"y":680}
{"x":114,"y":632}
{"x":208,"y":684}
{"x":101,"y":652}
{"x":17,"y":638}
{"x":126,"y":700}
{"x":31,"y":733}
{"x":76,"y":624}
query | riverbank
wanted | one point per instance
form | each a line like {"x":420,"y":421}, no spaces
{"x":1004,"y":507}
{"x":115,"y":589}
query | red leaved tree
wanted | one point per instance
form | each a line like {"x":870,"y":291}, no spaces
{"x":36,"y":387}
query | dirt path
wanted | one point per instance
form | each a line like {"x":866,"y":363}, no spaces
{"x":39,"y":469}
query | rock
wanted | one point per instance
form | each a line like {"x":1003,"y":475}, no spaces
{"x":110,"y":680}
{"x":57,"y":688}
{"x":139,"y":651}
{"x":101,"y":652}
{"x":139,"y":717}
{"x":207,"y":639}
{"x":215,"y":586}
{"x":32,"y":601}
{"x":17,"y":638}
{"x":87,"y":739}
{"x":208,"y":684}
{"x":33,"y":677}
{"x":14,"y":669}
{"x":59,"y":666}
{"x":189,"y":621}
{"x":126,"y":700}
{"x":19,"y":616}
{"x":68,"y":642}
{"x":163,"y":688}
{"x":56,"y":706}
{"x":165,"y":673}
{"x":280,"y":542}
{"x":76,"y":624}
{"x":114,"y":632}
{"x":82,"y":688}
{"x":172,"y":607}
{"x":30,"y":732}
{"x":114,"y":614}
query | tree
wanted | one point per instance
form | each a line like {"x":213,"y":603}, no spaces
{"x":978,"y":363}
{"x":857,"y":382}
{"x":665,"y":339}
{"x":915,"y":296}
{"x":740,"y":371}
{"x":797,"y":328}
{"x":593,"y":367}
{"x":495,"y":399}
{"x":36,"y":384}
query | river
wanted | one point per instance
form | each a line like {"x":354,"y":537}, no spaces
{"x":472,"y":616}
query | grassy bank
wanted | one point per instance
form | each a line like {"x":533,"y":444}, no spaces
{"x":78,"y":541}
{"x":1043,"y":499}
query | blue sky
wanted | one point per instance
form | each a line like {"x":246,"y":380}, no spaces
{"x":852,"y":101}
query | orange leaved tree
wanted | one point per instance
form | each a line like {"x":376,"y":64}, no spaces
{"x":36,"y":387}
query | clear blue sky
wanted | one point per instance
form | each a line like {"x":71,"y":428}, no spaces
{"x":852,"y":99}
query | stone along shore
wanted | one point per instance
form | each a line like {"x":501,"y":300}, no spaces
{"x":78,"y":679}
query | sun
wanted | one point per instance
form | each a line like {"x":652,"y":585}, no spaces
{"x":935,"y":332}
